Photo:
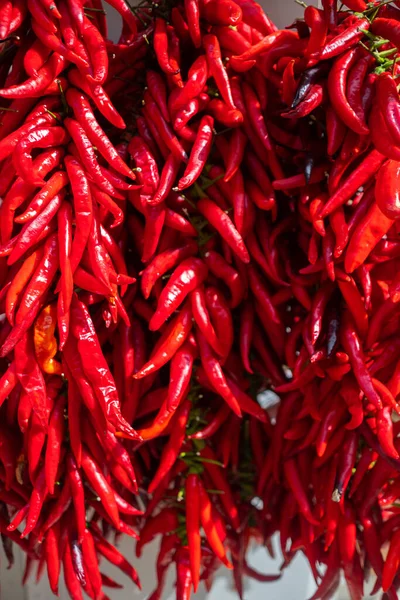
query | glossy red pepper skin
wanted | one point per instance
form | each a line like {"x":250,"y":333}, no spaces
{"x":337,"y":92}
{"x":186,"y":277}
{"x":360,"y":176}
{"x":199,"y":154}
{"x":346,"y":39}
{"x":386,"y":189}
{"x":173,"y":338}
{"x":370,"y":229}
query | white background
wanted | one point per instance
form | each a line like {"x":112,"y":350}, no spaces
{"x":296,"y":584}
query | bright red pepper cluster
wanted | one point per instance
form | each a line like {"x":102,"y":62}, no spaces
{"x":202,"y":211}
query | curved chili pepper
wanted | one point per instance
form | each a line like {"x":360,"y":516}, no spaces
{"x":165,"y":132}
{"x":38,"y":138}
{"x":312,"y":100}
{"x":215,"y":374}
{"x":174,"y":445}
{"x":223,"y":224}
{"x":319,"y":28}
{"x":360,"y":176}
{"x":199,"y":153}
{"x":37,"y":85}
{"x":18,"y":283}
{"x":34,"y":292}
{"x":162,"y":263}
{"x":352,"y":33}
{"x":100,"y":486}
{"x":221,"y":484}
{"x":337,"y":92}
{"x":197,"y":77}
{"x":170,"y":342}
{"x":386,"y":189}
{"x":208,"y":523}
{"x":186,"y":277}
{"x":232,"y":279}
{"x":367,"y":233}
{"x":97,"y":370}
{"x":95,"y":133}
{"x":180,"y":373}
{"x":113,"y":555}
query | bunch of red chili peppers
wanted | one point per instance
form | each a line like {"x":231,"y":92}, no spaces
{"x":199,"y":212}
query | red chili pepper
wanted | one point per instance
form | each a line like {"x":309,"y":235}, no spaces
{"x":346,"y":39}
{"x":99,"y":96}
{"x":186,"y":277}
{"x":219,"y":480}
{"x":97,"y":370}
{"x":162,"y":263}
{"x":207,"y":519}
{"x":223,"y":224}
{"x":38,"y":138}
{"x":337,"y":92}
{"x":192,"y":11}
{"x":88,"y":158}
{"x":113,"y":555}
{"x":197,"y":77}
{"x":367,"y":233}
{"x":192,"y":503}
{"x":203,"y":320}
{"x":199,"y":154}
{"x":346,"y":465}
{"x":54,"y":442}
{"x":335,"y":131}
{"x":183,"y":575}
{"x":359,"y":177}
{"x":319,"y":28}
{"x":391,"y":564}
{"x":180,"y":373}
{"x":295,"y":484}
{"x":174,"y":446}
{"x":222,"y":13}
{"x":384,"y":430}
{"x":84,"y":115}
{"x":169,"y":343}
{"x":34,"y":86}
{"x":386,"y":190}
{"x":71,"y":580}
{"x":163,"y":128}
{"x":232,"y":279}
